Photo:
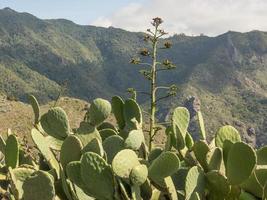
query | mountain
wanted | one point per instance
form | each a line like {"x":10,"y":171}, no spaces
{"x":228,"y":73}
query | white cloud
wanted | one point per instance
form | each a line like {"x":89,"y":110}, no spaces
{"x":211,"y":17}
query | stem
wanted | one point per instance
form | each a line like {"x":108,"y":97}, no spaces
{"x":153,"y":90}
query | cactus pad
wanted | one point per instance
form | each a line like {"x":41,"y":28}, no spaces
{"x":194,"y":182}
{"x":55,"y":123}
{"x":12,"y":151}
{"x":139,"y":175}
{"x":105,"y":133}
{"x":226,"y":133}
{"x":117,"y":108}
{"x":132,"y":111}
{"x":40,"y":185}
{"x":97,"y":176}
{"x":201,"y":149}
{"x":241,"y":162}
{"x":166,"y":164}
{"x":112,"y":145}
{"x":180,"y":118}
{"x":124,"y":162}
{"x":70,"y":150}
{"x":35,"y":107}
{"x":134,"y":139}
{"x":99,"y":111}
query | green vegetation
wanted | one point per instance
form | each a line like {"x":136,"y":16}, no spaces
{"x":98,"y":160}
{"x":227,"y":73}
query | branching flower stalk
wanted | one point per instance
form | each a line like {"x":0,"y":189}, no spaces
{"x":153,"y":37}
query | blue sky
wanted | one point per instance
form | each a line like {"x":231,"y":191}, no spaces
{"x":79,"y":11}
{"x":192,"y":17}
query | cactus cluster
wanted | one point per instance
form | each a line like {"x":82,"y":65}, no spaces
{"x":99,"y":160}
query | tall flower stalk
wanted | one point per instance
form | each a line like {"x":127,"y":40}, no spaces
{"x":154,"y":36}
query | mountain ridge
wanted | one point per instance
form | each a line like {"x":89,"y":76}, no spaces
{"x":227,"y":72}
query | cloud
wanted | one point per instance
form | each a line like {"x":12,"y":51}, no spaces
{"x":211,"y":17}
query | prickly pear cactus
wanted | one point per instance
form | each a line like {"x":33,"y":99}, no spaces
{"x":97,"y":176}
{"x":17,"y":178}
{"x":117,"y":108}
{"x":36,"y":108}
{"x":134,"y":139}
{"x":124,"y":162}
{"x":55,"y":123}
{"x":217,"y":185}
{"x":39,"y":185}
{"x":241,"y":163}
{"x":226,"y":133}
{"x":71,"y":150}
{"x":112,"y":145}
{"x":214,"y":159}
{"x":194,"y":182}
{"x":12,"y":151}
{"x":200,"y":150}
{"x":43,"y":147}
{"x":132,"y":111}
{"x":201,"y":125}
{"x":99,"y":111}
{"x":181,"y":119}
{"x":166,"y":164}
{"x":139,"y":175}
{"x":105,"y":133}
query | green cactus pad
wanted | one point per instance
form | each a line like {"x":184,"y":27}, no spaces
{"x":262,"y":156}
{"x":106,"y":125}
{"x":94,"y":146}
{"x":189,"y":142}
{"x":70,"y":150}
{"x":226,"y":133}
{"x":86,"y":133}
{"x":124,"y":162}
{"x":12,"y":151}
{"x":201,"y":125}
{"x":200,"y":150}
{"x":214,"y":159}
{"x":35,"y":107}
{"x":227,"y":145}
{"x":54,"y":143}
{"x":246,"y":196}
{"x":240,"y":163}
{"x":166,"y":164}
{"x":99,"y":111}
{"x":132,"y":111}
{"x":194,"y":182}
{"x":180,"y":118}
{"x":73,"y":171}
{"x":40,"y":185}
{"x":112,"y":145}
{"x":105,"y":133}
{"x":170,"y":188}
{"x":43,"y":147}
{"x":134,"y":139}
{"x":139,"y":175}
{"x":179,"y":178}
{"x":217,"y":185}
{"x":154,"y":154}
{"x":255,"y":182}
{"x":97,"y":175}
{"x":55,"y":123}
{"x":18,"y":176}
{"x":117,"y":108}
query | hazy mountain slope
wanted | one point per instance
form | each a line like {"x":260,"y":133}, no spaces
{"x":228,"y":72}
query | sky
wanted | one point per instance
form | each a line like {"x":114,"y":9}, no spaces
{"x":192,"y":17}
